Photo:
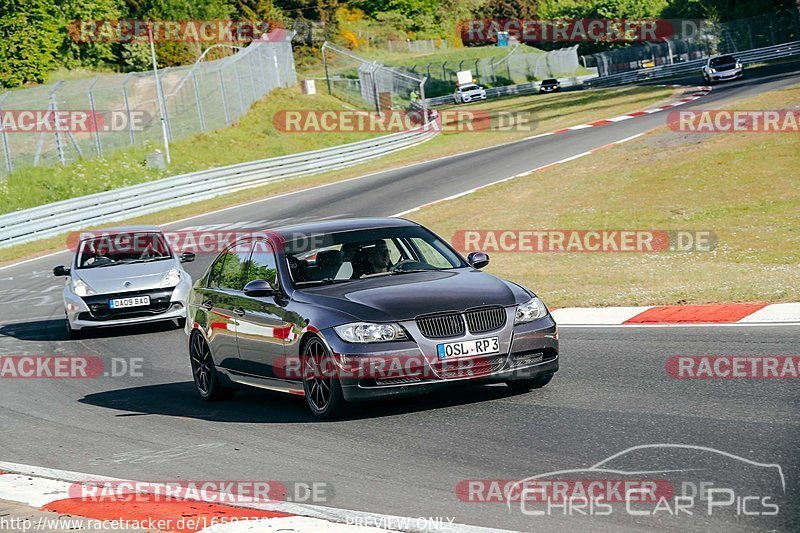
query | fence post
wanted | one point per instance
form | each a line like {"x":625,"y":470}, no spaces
{"x":325,"y":64}
{"x":198,"y":103}
{"x":4,"y":135}
{"x":277,"y":67}
{"x":131,"y":133}
{"x":59,"y":141}
{"x":253,"y":78}
{"x":97,"y":145}
{"x":224,"y":97}
{"x":239,"y":86}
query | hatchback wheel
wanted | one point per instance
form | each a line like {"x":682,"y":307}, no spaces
{"x":206,"y":379}
{"x":322,"y":388}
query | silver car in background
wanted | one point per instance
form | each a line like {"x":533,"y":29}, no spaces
{"x":720,"y":68}
{"x":124,"y":276}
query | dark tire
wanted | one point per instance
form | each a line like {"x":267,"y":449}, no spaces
{"x":523,"y":385}
{"x":204,"y":372}
{"x":73,"y":334}
{"x":323,"y":391}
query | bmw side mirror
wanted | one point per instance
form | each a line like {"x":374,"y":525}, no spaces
{"x":187,"y":257}
{"x":259,"y":287}
{"x":61,"y":270}
{"x":478,"y":259}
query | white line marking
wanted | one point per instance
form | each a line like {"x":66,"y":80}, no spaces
{"x":46,"y":479}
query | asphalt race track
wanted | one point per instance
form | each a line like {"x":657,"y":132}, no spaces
{"x":406,"y":457}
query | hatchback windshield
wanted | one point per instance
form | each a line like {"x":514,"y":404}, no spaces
{"x":122,"y":249}
{"x":354,"y":255}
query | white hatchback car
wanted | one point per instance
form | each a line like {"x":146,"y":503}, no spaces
{"x":124,"y":276}
{"x":469,"y":93}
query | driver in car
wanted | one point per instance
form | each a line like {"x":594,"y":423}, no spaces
{"x":378,"y":257}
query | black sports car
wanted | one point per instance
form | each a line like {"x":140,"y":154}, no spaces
{"x":350,"y":310}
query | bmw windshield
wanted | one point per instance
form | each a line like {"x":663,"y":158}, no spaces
{"x":354,"y":255}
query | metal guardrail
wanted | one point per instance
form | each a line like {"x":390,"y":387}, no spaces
{"x":746,"y":57}
{"x":512,"y":90}
{"x":120,"y":204}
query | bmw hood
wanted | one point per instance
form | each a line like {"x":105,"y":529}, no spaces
{"x":124,"y":278}
{"x":405,"y":296}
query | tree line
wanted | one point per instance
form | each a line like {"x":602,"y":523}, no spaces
{"x":35,"y":37}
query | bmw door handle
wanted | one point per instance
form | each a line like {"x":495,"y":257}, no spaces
{"x":239,"y":311}
{"x":207,"y":305}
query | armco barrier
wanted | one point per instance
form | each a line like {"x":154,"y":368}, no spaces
{"x":746,"y":57}
{"x":513,"y":90}
{"x":136,"y":200}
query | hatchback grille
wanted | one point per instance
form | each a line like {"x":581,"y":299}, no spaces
{"x":488,"y":319}
{"x":441,"y":326}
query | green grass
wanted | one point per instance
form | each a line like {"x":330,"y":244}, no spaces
{"x":554,"y":111}
{"x":253,"y":137}
{"x":743,"y":187}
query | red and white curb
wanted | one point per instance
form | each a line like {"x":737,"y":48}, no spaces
{"x":699,"y":93}
{"x":53,"y":490}
{"x":721,"y":314}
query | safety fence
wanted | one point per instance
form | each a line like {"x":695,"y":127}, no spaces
{"x":703,"y":39}
{"x":369,"y":84}
{"x":770,"y":53}
{"x":574,"y":82}
{"x":516,"y":67}
{"x":120,"y":204}
{"x":202,"y":97}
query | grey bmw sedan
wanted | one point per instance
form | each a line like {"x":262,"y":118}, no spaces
{"x":357,"y":309}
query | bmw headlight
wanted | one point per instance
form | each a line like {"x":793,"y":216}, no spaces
{"x":171,"y":278}
{"x":369,"y":332}
{"x":80,"y":288}
{"x":712,"y":70}
{"x":738,"y":65}
{"x":529,"y":311}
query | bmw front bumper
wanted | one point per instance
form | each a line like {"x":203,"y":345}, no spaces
{"x":531,"y":352}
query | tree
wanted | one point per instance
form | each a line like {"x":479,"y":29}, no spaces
{"x":29,"y":39}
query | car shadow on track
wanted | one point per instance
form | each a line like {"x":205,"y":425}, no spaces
{"x":254,"y":406}
{"x":55,"y":330}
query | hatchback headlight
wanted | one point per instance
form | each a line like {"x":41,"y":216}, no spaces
{"x":530,"y":311}
{"x":80,"y":288}
{"x":738,"y":65}
{"x":369,"y":332}
{"x":712,"y":70}
{"x":171,"y":278}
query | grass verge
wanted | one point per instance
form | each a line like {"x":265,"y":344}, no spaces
{"x":253,"y":137}
{"x":554,"y":111}
{"x":741,"y":186}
